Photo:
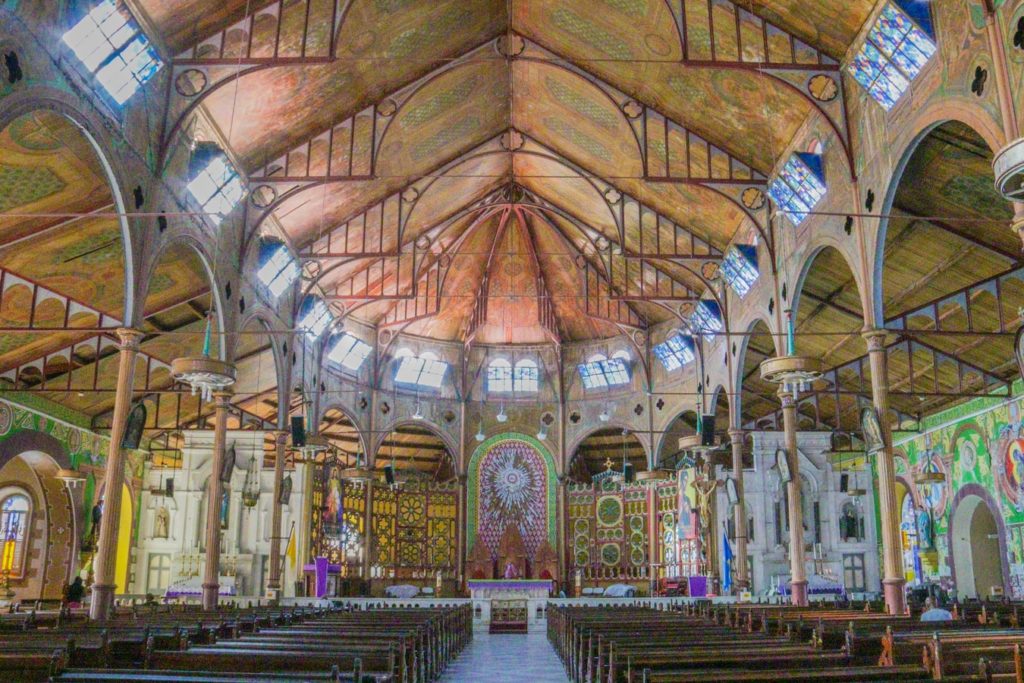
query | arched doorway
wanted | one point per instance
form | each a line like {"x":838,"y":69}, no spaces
{"x":977,"y":557}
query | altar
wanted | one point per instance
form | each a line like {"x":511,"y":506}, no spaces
{"x":509,"y":605}
{"x":509,"y":589}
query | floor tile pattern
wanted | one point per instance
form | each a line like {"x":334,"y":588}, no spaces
{"x":507,"y":658}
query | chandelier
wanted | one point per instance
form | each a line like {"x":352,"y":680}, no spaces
{"x":205,"y":375}
{"x":792,"y":372}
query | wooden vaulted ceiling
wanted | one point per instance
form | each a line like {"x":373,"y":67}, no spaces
{"x":553,"y":124}
{"x":952,"y":292}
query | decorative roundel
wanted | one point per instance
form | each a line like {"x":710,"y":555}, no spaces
{"x":423,"y":243}
{"x":582,"y":558}
{"x":1009,"y":466}
{"x":387,"y":108}
{"x":612,"y":195}
{"x":512,"y":140}
{"x":510,"y":46}
{"x":668,"y":521}
{"x":74,"y":440}
{"x":190,"y":82}
{"x":753,"y":198}
{"x":6,"y":418}
{"x":632,"y":109}
{"x":445,"y":260}
{"x":709,"y":270}
{"x":636,"y":538}
{"x":609,"y":511}
{"x":311,"y":269}
{"x":610,"y":554}
{"x":636,"y":523}
{"x":822,"y":87}
{"x":602,"y":243}
{"x":685,"y":310}
{"x":581,"y":542}
{"x":581,"y":261}
{"x":619,"y":534}
{"x":263,"y":196}
{"x":968,"y":455}
{"x":411,"y":194}
{"x":385,"y":337}
{"x":636,"y":556}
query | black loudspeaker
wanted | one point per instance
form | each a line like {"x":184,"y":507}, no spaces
{"x":707,"y":430}
{"x":389,"y":474}
{"x":169,"y":488}
{"x":844,"y":483}
{"x":298,"y":432}
{"x":628,"y":473}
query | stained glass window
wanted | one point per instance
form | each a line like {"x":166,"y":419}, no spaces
{"x":675,"y":352}
{"x":600,"y":372}
{"x":425,"y":371}
{"x":111,"y":45}
{"x":527,"y":377}
{"x":314,"y":317}
{"x":14,"y":518}
{"x":217,"y":188}
{"x":349,"y":352}
{"x":739,"y":268}
{"x":278,"y":269}
{"x":499,"y":376}
{"x":706,"y":319}
{"x":799,"y":186}
{"x":897,"y":48}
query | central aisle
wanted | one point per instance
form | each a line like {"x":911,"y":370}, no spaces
{"x":508,"y":658}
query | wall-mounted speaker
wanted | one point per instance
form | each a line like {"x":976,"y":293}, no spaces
{"x":628,"y":473}
{"x":707,"y":430}
{"x":389,"y":474}
{"x":298,"y":431}
{"x":844,"y":483}
{"x":169,"y":488}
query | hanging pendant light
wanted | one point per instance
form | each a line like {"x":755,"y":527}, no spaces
{"x":418,"y":414}
{"x":605,"y":416}
{"x":251,"y":486}
{"x":480,"y":436}
{"x":204,"y":374}
{"x":501,"y":416}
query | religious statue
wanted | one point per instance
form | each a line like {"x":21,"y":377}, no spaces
{"x":511,"y":572}
{"x":705,"y":488}
{"x":161,"y":524}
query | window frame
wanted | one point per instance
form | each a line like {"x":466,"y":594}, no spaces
{"x":290,"y":263}
{"x":602,"y":372}
{"x":500,"y":377}
{"x":881,"y":58}
{"x":522,"y":384}
{"x":799,"y":185}
{"x":150,"y":588}
{"x":355,"y":349}
{"x":217,"y":214}
{"x":117,"y":45}
{"x":673,"y":359}
{"x":21,"y":541}
{"x":850,"y":567}
{"x":740,"y":270}
{"x":326,"y":318}
{"x":423,"y":366}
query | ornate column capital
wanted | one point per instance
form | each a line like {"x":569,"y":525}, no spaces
{"x":786,"y":397}
{"x":875,"y":338}
{"x":129,"y":338}
{"x":223,"y":397}
{"x":736,"y":434}
{"x":281,"y":437}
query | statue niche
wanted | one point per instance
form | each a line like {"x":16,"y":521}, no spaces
{"x":480,"y":564}
{"x":512,"y":554}
{"x":545,"y":562}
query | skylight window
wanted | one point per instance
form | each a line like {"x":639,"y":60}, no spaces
{"x":675,"y":352}
{"x":897,"y":48}
{"x":314,"y":317}
{"x":349,"y":352}
{"x":600,"y":372}
{"x":423,"y":371}
{"x":706,"y":319}
{"x":278,"y":268}
{"x":217,"y":187}
{"x":739,"y":268}
{"x":799,"y":186}
{"x":110,"y":44}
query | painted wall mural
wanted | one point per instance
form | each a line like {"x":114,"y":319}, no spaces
{"x":979,"y":446}
{"x":511,"y":482}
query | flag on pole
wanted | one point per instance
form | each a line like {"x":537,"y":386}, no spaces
{"x":727,"y":554}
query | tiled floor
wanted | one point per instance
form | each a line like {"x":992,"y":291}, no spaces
{"x":507,"y":658}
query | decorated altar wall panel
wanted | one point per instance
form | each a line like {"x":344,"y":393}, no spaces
{"x":338,"y":524}
{"x":415,"y":530}
{"x":980,"y":449}
{"x":511,"y":483}
{"x":609,"y":528}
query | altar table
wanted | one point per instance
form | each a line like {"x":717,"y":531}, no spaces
{"x":491,"y":595}
{"x":509,"y":589}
